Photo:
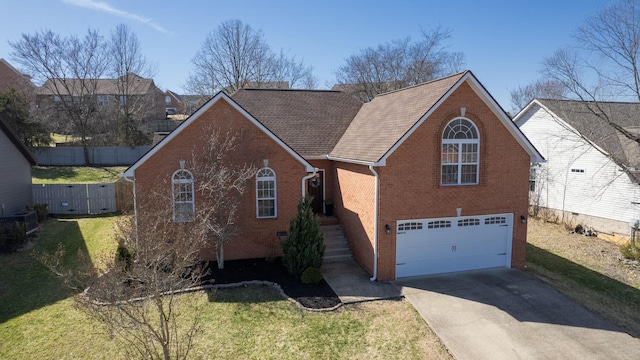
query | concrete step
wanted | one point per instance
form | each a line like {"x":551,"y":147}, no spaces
{"x":336,"y":244}
{"x":337,"y":258}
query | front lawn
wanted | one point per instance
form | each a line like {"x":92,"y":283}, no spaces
{"x":588,"y":270}
{"x":39,"y":318}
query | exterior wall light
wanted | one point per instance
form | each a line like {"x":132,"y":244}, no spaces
{"x":387,"y":229}
{"x":523,"y":219}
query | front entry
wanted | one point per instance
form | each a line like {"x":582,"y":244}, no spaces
{"x":315,"y":188}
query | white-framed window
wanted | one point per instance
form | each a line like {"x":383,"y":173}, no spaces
{"x":438,"y":224}
{"x":469,"y":222}
{"x":577,"y":171}
{"x":167,"y":100}
{"x":183,"y":199}
{"x":123,"y":99}
{"x":410,"y":226}
{"x":495,"y":220}
{"x":460,"y":153}
{"x":266,"y":191}
{"x":103,"y":100}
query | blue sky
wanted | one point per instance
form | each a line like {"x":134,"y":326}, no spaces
{"x":504,"y":41}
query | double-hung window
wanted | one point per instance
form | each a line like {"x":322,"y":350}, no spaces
{"x":183,"y":200}
{"x":460,"y":153}
{"x":266,"y":202}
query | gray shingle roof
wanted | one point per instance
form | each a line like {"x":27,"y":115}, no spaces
{"x":137,"y":86}
{"x":383,"y":121}
{"x":310,"y":121}
{"x":580,"y":115}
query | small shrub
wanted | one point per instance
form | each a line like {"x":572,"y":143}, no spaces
{"x":12,"y":237}
{"x":124,"y":256}
{"x":631,"y":251}
{"x":303,"y":248}
{"x":311,"y":276}
{"x":42,"y":211}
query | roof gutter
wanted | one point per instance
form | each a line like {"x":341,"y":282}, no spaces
{"x":375,"y":224}
{"x":304,"y":181}
{"x":381,"y":162}
{"x":135,"y":207}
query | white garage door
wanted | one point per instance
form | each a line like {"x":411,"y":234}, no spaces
{"x":432,"y":246}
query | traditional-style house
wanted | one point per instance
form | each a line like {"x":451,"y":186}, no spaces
{"x":428,"y":179}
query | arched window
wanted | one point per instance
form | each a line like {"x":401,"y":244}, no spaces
{"x":460,"y":153}
{"x":183,"y":200}
{"x":266,"y":202}
{"x":167,"y":100}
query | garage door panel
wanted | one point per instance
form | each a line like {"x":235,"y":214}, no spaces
{"x":453,"y":244}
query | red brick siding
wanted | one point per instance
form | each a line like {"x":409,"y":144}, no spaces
{"x":256,"y":237}
{"x":410,"y":183}
{"x":354,"y":206}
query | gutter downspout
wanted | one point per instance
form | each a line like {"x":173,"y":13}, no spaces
{"x":304,"y":180}
{"x":375,"y":226}
{"x":135,"y":209}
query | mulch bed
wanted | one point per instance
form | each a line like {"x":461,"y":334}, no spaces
{"x":318,"y":296}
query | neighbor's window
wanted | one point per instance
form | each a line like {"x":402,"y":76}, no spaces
{"x":460,"y":150}
{"x":532,"y":179}
{"x":103,"y":100}
{"x":266,"y":193}
{"x":183,"y":201}
{"x":167,"y":100}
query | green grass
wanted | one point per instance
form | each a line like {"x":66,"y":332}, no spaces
{"x":74,"y":174}
{"x":39,"y":318}
{"x":615,"y":300}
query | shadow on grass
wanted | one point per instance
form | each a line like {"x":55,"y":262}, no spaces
{"x":583,"y":276}
{"x":51,"y":173}
{"x":25,"y":283}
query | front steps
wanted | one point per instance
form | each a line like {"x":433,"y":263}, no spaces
{"x":336,"y":246}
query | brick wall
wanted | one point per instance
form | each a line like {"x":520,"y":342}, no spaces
{"x":354,"y":206}
{"x":256,"y":237}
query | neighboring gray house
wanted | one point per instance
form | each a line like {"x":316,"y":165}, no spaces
{"x":15,"y":166}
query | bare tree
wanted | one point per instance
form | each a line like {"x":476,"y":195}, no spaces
{"x":398,"y":64}
{"x":221,"y":186}
{"x":544,"y":89}
{"x":603,"y":66}
{"x":128,"y":66}
{"x":235,"y":56}
{"x":69,"y":68}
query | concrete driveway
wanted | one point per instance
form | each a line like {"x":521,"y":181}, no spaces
{"x":508,"y":314}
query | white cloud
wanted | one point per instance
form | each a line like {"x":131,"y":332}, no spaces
{"x":106,"y":8}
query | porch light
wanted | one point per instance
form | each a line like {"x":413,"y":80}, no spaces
{"x":523,"y":219}
{"x":387,"y":229}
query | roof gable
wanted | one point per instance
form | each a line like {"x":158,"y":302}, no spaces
{"x":13,"y":137}
{"x":221,"y":96}
{"x":383,"y":124}
{"x":579,"y":117}
{"x":309,"y":121}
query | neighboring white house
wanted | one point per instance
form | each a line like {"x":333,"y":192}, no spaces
{"x":592,"y":172}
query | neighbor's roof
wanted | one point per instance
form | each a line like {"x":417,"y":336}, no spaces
{"x":76,"y":87}
{"x":310,"y":121}
{"x":13,"y":137}
{"x":580,"y":115}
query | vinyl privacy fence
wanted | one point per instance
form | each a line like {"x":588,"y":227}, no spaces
{"x":103,"y":156}
{"x":76,"y":198}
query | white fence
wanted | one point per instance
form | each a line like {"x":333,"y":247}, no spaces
{"x":76,"y":198}
{"x":74,"y":155}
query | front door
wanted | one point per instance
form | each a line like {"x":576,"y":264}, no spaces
{"x":315,"y":188}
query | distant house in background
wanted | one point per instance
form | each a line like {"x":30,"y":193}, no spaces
{"x":15,"y":166}
{"x":592,"y":174}
{"x":10,"y":78}
{"x":173,"y":103}
{"x":109,"y":92}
